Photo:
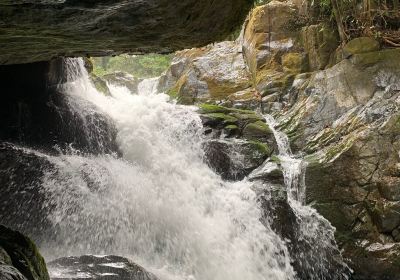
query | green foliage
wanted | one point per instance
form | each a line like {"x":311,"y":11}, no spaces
{"x":141,"y":66}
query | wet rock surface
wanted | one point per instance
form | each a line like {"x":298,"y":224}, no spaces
{"x":238,"y":142}
{"x":97,"y":267}
{"x":41,"y":30}
{"x":22,"y":202}
{"x":35,"y":112}
{"x":19,"y":257}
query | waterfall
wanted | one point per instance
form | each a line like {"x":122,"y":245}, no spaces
{"x":317,"y":248}
{"x":158,"y":202}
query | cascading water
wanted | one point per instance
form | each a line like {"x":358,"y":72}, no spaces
{"x":159,"y":204}
{"x":316,"y":248}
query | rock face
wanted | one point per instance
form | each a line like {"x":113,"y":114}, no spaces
{"x":208,"y":74}
{"x":41,"y":30}
{"x":22,"y":201}
{"x":34,"y":111}
{"x":19,"y":257}
{"x":345,"y":119}
{"x":97,"y":267}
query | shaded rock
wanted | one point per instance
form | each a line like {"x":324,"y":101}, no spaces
{"x":234,"y":159}
{"x":269,"y":171}
{"x":22,"y":202}
{"x":301,"y":230}
{"x":41,"y":30}
{"x":36,"y":112}
{"x":97,"y":267}
{"x":248,"y":124}
{"x":320,"y":42}
{"x":8,"y":272}
{"x":360,"y":45}
{"x":26,"y":261}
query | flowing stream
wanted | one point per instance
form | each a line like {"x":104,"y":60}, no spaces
{"x":159,"y":203}
{"x":318,"y":250}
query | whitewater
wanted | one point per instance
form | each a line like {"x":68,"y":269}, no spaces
{"x":159,"y":203}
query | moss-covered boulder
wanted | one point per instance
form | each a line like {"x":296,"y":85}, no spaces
{"x":257,"y":130}
{"x":18,"y":252}
{"x":237,"y":142}
{"x":246,"y":123}
{"x":361,"y":45}
{"x":234,"y":159}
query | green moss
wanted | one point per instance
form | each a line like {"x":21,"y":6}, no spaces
{"x":206,"y":108}
{"x":224,"y":118}
{"x":261,"y":148}
{"x":247,"y":117}
{"x":275,"y":159}
{"x":173,"y":93}
{"x":211,"y":108}
{"x":256,"y":130}
{"x":24,"y":254}
{"x":231,"y":127}
{"x":258,"y":127}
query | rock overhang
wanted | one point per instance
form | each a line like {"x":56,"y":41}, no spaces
{"x":33,"y":31}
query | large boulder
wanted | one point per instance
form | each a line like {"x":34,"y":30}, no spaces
{"x":212,"y":73}
{"x":234,"y":159}
{"x":238,"y":140}
{"x":23,"y":203}
{"x":36,"y":111}
{"x":19,"y":257}
{"x":98,"y":267}
{"x":41,"y":30}
{"x":273,"y":50}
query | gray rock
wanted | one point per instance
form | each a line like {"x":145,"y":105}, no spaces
{"x":40,"y":30}
{"x":97,"y":267}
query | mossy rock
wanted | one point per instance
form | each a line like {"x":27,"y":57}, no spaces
{"x":261,"y":148}
{"x":360,"y":45}
{"x":211,"y":108}
{"x":257,"y":130}
{"x":294,"y":63}
{"x":206,"y":108}
{"x":220,"y":118}
{"x":387,"y":56}
{"x":24,"y":254}
{"x":231,"y":130}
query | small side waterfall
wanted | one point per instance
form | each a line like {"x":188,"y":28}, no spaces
{"x":317,"y":248}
